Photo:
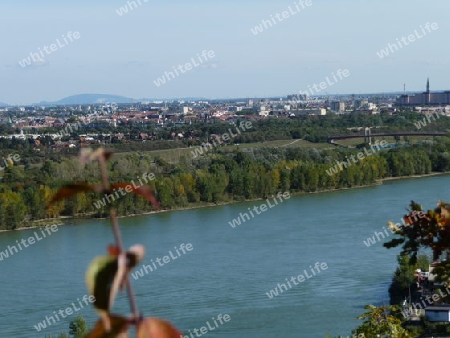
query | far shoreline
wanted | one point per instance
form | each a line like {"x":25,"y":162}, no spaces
{"x":60,"y":220}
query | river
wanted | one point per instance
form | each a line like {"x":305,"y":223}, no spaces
{"x":227,"y":271}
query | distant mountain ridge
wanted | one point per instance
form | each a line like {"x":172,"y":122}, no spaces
{"x":95,"y":99}
{"x":104,"y":98}
{"x":107,"y":98}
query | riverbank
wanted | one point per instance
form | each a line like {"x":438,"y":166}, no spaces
{"x":414,"y":176}
{"x":378,"y":182}
{"x":60,"y":221}
{"x":41,"y":223}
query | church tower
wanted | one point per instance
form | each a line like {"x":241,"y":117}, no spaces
{"x":427,"y":95}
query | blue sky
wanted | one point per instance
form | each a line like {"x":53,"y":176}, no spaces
{"x":123,"y":55}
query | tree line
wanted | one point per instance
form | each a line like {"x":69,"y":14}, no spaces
{"x":221,"y":176}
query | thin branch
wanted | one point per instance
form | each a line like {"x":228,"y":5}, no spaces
{"x":117,"y":236}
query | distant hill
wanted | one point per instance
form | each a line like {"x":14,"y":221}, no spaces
{"x":94,"y":99}
{"x":4,"y":104}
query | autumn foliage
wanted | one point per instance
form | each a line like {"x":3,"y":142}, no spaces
{"x":425,"y":230}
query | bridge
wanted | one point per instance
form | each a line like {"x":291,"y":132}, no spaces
{"x":368,"y":135}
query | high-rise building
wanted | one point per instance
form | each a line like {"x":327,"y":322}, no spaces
{"x":337,"y":106}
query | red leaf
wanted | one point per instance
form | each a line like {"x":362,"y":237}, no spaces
{"x":70,"y":190}
{"x":113,"y":250}
{"x":117,"y":325}
{"x":143,"y":191}
{"x":157,"y":328}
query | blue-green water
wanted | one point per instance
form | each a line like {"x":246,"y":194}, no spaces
{"x":230,"y":270}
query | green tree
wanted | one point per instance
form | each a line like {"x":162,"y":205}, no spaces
{"x":404,"y":278}
{"x":78,"y":328}
{"x":380,"y":321}
{"x":13,"y":209}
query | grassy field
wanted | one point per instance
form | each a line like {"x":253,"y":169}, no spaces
{"x":286,"y":144}
{"x":352,"y":142}
{"x":174,"y":155}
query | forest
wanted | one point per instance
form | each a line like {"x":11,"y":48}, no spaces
{"x":223,"y":175}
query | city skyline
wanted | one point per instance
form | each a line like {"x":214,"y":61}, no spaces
{"x":99,"y":48}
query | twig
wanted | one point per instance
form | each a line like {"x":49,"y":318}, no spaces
{"x":118,"y":237}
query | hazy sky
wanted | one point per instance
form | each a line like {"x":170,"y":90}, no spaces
{"x":123,"y":55}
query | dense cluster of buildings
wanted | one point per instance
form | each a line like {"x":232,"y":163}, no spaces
{"x":426,"y":98}
{"x":31,"y":119}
